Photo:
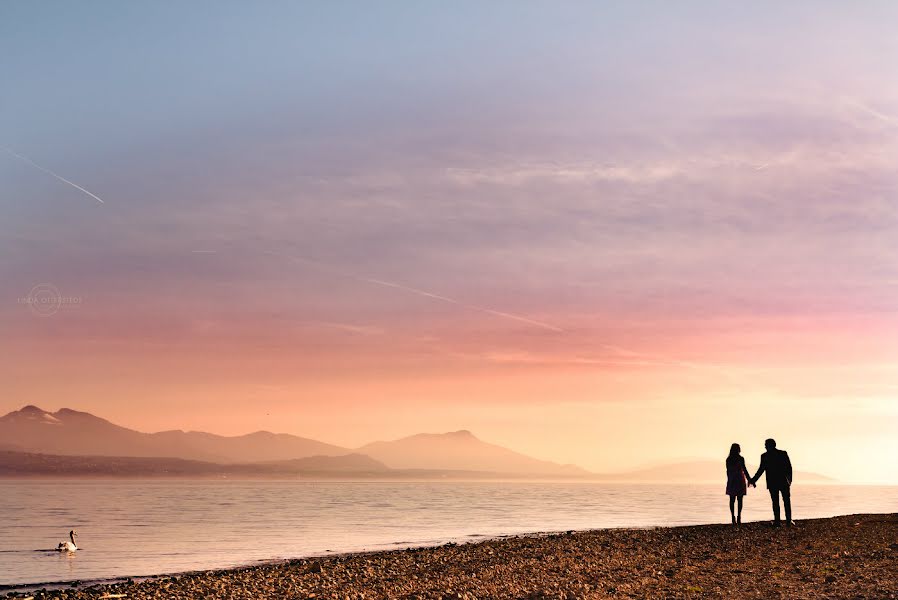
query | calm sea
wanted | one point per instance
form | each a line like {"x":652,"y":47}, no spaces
{"x":132,"y":528}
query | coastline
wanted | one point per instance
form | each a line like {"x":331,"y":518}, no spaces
{"x":845,"y":556}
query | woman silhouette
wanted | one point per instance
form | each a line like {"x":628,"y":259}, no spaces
{"x":737,"y":475}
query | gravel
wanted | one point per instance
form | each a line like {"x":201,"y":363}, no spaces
{"x":843,"y":557}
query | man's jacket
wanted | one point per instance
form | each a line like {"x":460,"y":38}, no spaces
{"x":778,"y":467}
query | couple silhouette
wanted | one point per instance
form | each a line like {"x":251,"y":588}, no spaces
{"x":778,"y":467}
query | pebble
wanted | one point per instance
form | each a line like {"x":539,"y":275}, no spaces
{"x":718,"y":561}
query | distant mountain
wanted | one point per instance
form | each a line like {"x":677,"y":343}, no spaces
{"x":462,"y":451}
{"x":66,"y":432}
{"x":69,"y":442}
{"x":700,"y":471}
{"x":69,"y":432}
{"x":19,"y":464}
{"x":350,"y":466}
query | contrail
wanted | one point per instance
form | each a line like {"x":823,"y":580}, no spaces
{"x":52,"y":174}
{"x":483,"y":309}
{"x":643,"y":358}
{"x":873,"y":112}
{"x":426,"y":294}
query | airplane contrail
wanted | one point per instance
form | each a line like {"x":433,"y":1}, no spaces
{"x":647,"y":358}
{"x":52,"y":174}
{"x":484,"y":309}
{"x":873,"y":112}
{"x":426,"y":294}
{"x":643,"y":358}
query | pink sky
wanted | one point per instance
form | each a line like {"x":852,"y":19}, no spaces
{"x":608,"y":237}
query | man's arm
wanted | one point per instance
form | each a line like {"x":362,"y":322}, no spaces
{"x":761,"y":468}
{"x":788,"y":467}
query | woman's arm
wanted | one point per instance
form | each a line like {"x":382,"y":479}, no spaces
{"x":745,"y":470}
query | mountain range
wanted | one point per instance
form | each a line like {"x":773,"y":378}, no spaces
{"x":71,"y":432}
{"x":461,"y":450}
{"x":68,"y":432}
{"x":69,"y":442}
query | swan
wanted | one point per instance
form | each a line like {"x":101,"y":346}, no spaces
{"x":68,"y":546}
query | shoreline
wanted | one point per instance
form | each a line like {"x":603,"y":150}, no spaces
{"x":850,"y":555}
{"x":82,"y":584}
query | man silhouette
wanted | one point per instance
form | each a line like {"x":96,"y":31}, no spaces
{"x":779,"y":479}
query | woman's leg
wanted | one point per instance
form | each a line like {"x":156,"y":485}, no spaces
{"x":739,"y":516}
{"x":732,"y":508}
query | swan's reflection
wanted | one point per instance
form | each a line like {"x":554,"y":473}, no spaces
{"x":69,"y":558}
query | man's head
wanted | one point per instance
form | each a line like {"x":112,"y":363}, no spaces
{"x":770,"y":443}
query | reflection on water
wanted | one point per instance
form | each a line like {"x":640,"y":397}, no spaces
{"x":142,"y":528}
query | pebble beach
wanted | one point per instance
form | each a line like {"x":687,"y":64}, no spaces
{"x":843,"y":557}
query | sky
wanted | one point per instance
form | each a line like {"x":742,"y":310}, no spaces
{"x":611,"y":234}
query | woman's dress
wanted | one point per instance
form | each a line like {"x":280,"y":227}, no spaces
{"x":736,"y":476}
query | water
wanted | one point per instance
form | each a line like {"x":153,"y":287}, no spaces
{"x":132,"y":528}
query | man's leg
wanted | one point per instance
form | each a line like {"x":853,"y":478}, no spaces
{"x":787,"y":504}
{"x":775,"y":500}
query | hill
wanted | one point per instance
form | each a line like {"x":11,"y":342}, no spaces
{"x":31,"y":432}
{"x":462,"y":451}
{"x":70,"y":432}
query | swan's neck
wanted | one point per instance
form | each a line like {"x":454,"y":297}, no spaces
{"x":72,"y":537}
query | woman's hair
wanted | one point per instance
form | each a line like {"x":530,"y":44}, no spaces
{"x":735,"y":449}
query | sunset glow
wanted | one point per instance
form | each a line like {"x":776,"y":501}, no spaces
{"x":602,"y":235}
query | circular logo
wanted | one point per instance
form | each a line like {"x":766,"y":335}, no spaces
{"x":44,"y":299}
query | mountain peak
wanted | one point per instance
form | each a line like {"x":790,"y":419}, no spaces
{"x":74,"y":432}
{"x":30,"y":414}
{"x":461,"y":451}
{"x":68,"y":412}
{"x":78,"y":416}
{"x":461,"y":434}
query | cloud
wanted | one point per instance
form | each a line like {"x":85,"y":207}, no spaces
{"x":576,"y":173}
{"x":355,"y":329}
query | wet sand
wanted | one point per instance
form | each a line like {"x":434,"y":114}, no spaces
{"x":844,"y":557}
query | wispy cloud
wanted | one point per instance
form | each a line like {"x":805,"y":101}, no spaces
{"x":352,"y":328}
{"x":570,"y":172}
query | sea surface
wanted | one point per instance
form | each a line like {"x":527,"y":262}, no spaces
{"x":135,"y":528}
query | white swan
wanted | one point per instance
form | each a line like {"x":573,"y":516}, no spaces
{"x":68,"y":546}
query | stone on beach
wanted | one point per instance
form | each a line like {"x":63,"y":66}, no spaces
{"x":842,"y":557}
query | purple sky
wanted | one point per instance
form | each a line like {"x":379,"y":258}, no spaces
{"x":429,"y":214}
